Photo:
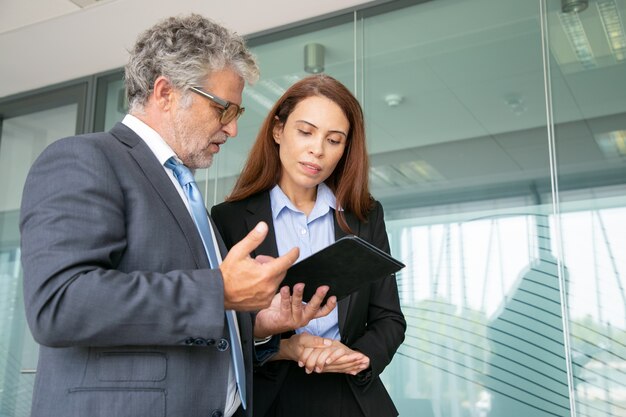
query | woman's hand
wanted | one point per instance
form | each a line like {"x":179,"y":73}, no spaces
{"x":337,"y":358}
{"x":293,"y":348}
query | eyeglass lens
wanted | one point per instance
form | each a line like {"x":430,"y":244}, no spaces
{"x":229,"y":113}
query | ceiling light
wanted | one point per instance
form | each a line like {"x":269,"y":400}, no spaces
{"x":578,"y":40}
{"x":404,"y":174}
{"x":613,"y":143}
{"x":613,"y":27}
{"x":569,"y":6}
{"x":272,"y":87}
{"x":314,"y":58}
{"x":256,"y":96}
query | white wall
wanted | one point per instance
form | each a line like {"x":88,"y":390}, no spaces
{"x":74,"y":43}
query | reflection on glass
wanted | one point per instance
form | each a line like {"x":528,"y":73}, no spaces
{"x":594,"y":248}
{"x":485,"y":328}
{"x":22,"y":139}
{"x":590,"y":115}
{"x":116,"y":104}
{"x":461,"y":165}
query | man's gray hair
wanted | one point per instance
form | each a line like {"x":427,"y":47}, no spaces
{"x":185,"y":50}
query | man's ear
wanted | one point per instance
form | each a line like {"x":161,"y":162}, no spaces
{"x":163,"y":93}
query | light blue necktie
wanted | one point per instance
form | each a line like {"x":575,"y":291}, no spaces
{"x":200,"y":217}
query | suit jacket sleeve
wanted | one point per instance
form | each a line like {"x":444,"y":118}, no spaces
{"x":80,"y":287}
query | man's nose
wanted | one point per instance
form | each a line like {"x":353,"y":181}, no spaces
{"x":231,"y":128}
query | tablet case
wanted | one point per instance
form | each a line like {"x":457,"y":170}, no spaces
{"x":344,"y":266}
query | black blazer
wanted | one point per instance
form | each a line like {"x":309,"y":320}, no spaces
{"x":370,"y":320}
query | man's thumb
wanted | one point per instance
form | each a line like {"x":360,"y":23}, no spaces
{"x":252,"y":240}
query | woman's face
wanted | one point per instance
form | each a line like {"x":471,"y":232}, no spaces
{"x":311,"y":143}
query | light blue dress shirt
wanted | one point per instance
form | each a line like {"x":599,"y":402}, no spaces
{"x":293,"y":228}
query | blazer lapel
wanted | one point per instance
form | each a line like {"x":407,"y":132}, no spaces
{"x":155,"y":174}
{"x":259,"y":209}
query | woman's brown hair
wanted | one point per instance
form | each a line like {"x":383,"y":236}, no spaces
{"x":349,"y":180}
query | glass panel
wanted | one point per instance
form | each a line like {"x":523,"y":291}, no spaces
{"x":455,"y":108}
{"x":117,"y":104}
{"x":588,"y":72}
{"x":21,"y":140}
{"x":111,"y":102}
{"x":282,"y":63}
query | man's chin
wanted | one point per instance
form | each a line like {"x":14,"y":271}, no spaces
{"x":202,"y":163}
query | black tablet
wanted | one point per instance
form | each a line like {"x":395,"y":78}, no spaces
{"x":344,"y":266}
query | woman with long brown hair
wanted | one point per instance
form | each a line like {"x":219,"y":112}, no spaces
{"x":307,"y":177}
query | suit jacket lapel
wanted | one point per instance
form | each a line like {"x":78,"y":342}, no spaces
{"x":162,"y":184}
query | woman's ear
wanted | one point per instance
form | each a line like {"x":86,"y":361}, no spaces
{"x":277,"y":130}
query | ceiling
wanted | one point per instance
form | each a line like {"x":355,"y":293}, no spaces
{"x":44,"y":42}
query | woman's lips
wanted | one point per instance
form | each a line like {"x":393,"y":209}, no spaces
{"x":311,"y":167}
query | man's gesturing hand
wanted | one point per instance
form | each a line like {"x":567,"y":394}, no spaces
{"x":250,"y":284}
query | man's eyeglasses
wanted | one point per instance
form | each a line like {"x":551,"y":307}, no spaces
{"x":230,"y":112}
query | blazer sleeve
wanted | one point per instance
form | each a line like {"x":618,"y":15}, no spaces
{"x":385,"y":327}
{"x":74,"y":225}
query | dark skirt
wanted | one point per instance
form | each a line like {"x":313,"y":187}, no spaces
{"x":313,"y":395}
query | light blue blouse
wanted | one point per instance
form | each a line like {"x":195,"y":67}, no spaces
{"x":293,"y":228}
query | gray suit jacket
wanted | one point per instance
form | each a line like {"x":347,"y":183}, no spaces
{"x":117,"y":287}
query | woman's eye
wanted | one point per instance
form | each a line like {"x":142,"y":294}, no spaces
{"x":334,"y":141}
{"x":304,"y":132}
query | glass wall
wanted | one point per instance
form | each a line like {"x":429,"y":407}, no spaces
{"x":497,"y":136}
{"x":588,"y":72}
{"x":28,"y":125}
{"x":461,"y":163}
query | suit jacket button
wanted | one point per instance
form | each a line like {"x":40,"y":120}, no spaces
{"x":199,"y":342}
{"x":217,"y":413}
{"x":210,"y":342}
{"x":222,"y":345}
{"x":189,"y":341}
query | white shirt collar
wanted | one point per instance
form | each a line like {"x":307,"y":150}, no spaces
{"x":155,"y":142}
